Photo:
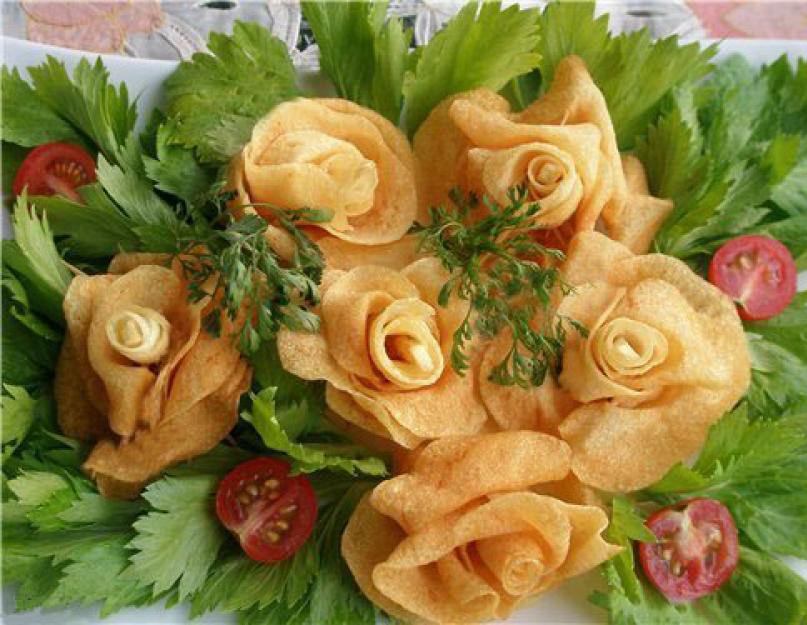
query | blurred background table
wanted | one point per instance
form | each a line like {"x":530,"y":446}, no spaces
{"x":175,"y":29}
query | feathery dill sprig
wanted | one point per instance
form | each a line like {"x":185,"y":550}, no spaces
{"x":231,"y":261}
{"x":493,"y":262}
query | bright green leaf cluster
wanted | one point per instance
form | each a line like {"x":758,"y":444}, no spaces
{"x":730,"y":154}
{"x":482,"y":46}
{"x":342,"y":455}
{"x":362,"y":52}
{"x":216,"y":98}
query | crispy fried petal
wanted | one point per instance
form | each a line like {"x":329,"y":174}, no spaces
{"x":454,"y":471}
{"x":524,"y":543}
{"x":332,"y":153}
{"x":516,"y":408}
{"x":637,"y":224}
{"x":122,"y":468}
{"x":439,"y":147}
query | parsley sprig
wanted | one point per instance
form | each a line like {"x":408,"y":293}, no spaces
{"x":236,"y":266}
{"x":494,"y":265}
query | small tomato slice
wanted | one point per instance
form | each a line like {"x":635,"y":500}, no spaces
{"x":758,"y":273}
{"x":270,"y":513}
{"x":55,"y":169}
{"x":696,"y":552}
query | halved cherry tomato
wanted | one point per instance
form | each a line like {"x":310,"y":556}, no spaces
{"x":270,"y":513}
{"x":696,"y":552}
{"x":758,"y":273}
{"x":55,"y":169}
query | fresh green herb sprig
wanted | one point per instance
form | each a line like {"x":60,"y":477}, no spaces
{"x":237,"y":268}
{"x":492,"y":266}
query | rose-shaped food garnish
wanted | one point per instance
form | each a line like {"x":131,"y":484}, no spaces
{"x":139,"y":375}
{"x":384,"y":349}
{"x":665,"y":358}
{"x":334,"y":155}
{"x":140,"y":334}
{"x":403,"y":344}
{"x":625,"y":347}
{"x":562,"y":148}
{"x":461,"y":537}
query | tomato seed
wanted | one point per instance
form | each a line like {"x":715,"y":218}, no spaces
{"x":273,"y":537}
{"x":271,"y":483}
{"x":252,"y":490}
{"x":282,"y":525}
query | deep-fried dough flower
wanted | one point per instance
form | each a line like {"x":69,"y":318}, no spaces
{"x":562,"y":147}
{"x":138,"y":374}
{"x":336,"y":155}
{"x":462,"y":538}
{"x":384,"y":351}
{"x":665,"y":358}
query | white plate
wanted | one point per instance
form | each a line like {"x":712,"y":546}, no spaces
{"x":566,"y":605}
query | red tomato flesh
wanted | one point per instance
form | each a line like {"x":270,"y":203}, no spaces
{"x":758,"y":273}
{"x":270,"y":513}
{"x":55,"y":169}
{"x":696,"y":552}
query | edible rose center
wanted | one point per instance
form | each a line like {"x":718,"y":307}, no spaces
{"x":318,"y":164}
{"x":140,"y":334}
{"x":544,"y":174}
{"x":628,"y":347}
{"x":404,"y":346}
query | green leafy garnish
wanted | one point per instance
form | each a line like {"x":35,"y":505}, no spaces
{"x":178,"y":541}
{"x":34,"y":261}
{"x":729,"y":154}
{"x":175,"y":170}
{"x":489,"y":266}
{"x":482,"y":46}
{"x":268,"y":419}
{"x":96,"y":109}
{"x":27,"y":120}
{"x":249,"y":285}
{"x":633,"y":71}
{"x":18,"y":416}
{"x":762,"y":589}
{"x":363,"y":53}
{"x":216,"y":98}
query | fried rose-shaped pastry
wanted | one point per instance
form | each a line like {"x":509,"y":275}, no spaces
{"x":562,"y":147}
{"x":462,"y":537}
{"x":665,"y":358}
{"x":642,"y":216}
{"x":331,"y":154}
{"x":384,"y":350}
{"x":138,"y":374}
{"x":539,"y":408}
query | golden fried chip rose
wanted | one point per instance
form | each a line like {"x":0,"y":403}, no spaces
{"x":462,"y":538}
{"x":336,"y":155}
{"x":665,"y":358}
{"x":562,"y":148}
{"x":384,"y":351}
{"x":138,"y":374}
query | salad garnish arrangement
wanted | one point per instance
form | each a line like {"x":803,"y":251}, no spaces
{"x":514,"y":305}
